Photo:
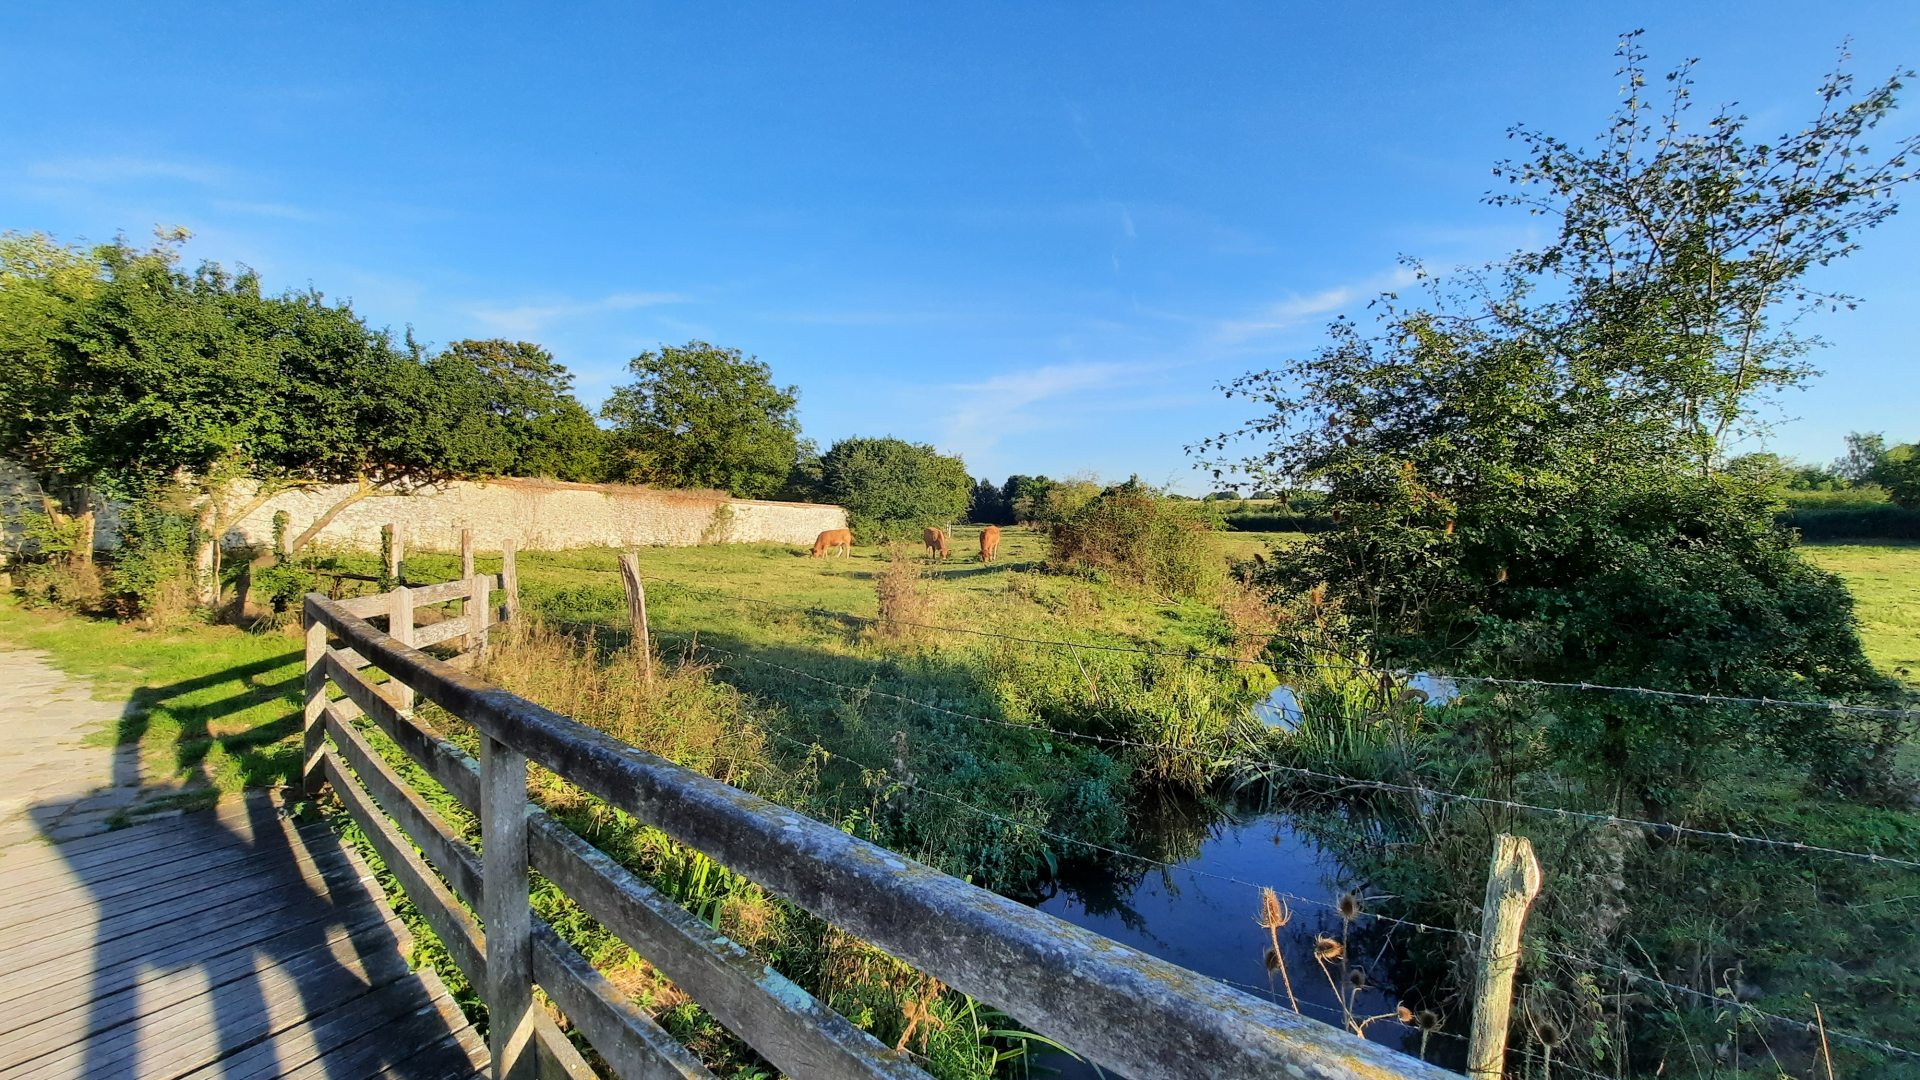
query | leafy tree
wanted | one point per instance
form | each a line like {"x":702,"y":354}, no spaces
{"x":804,"y":481}
{"x":1528,"y":467}
{"x":702,"y":416}
{"x":989,"y":506}
{"x":1865,"y":451}
{"x":893,"y":488}
{"x":1899,"y":472}
{"x":506,"y":408}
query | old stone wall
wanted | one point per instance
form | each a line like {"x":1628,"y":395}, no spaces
{"x":539,"y":515}
{"x":536,"y":514}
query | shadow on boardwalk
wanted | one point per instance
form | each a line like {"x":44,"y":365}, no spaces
{"x":229,"y":943}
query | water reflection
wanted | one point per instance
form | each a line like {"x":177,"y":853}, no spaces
{"x":1209,"y":921}
{"x":1281,"y":708}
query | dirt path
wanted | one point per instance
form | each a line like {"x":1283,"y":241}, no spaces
{"x":55,"y":783}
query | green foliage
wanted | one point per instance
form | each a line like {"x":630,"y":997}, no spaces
{"x":507,"y":409}
{"x":892,"y":488}
{"x":1139,"y":536}
{"x":989,"y":505}
{"x":701,"y":416}
{"x":1899,"y":473}
{"x":1527,"y":473}
{"x":152,"y":571}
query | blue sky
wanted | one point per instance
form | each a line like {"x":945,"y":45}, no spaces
{"x":1033,"y":234}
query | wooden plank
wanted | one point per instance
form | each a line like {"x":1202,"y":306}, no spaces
{"x":428,"y":831}
{"x":435,"y":633}
{"x":48,"y":1019}
{"x":37,"y":942}
{"x":400,"y":1011}
{"x":316,"y":700}
{"x":200,"y":1027}
{"x":148,"y":888}
{"x":559,"y":1058}
{"x":365,"y":607}
{"x":789,"y":1027}
{"x":505,"y":908}
{"x":261,"y":927}
{"x":426,"y":1044}
{"x":400,"y":625}
{"x":451,"y":923}
{"x":629,"y":1040}
{"x":449,"y":765}
{"x":370,"y":698}
{"x":230,"y":821}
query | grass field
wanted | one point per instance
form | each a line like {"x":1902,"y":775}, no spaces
{"x":1885,"y":581}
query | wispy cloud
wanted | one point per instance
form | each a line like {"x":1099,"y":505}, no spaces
{"x":1291,"y":310}
{"x":980,"y":414}
{"x":124,"y":170}
{"x":528,"y":319}
{"x":287,"y":211}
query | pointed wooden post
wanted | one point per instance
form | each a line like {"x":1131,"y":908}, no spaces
{"x":637,"y":612}
{"x":480,"y":612}
{"x":466,"y":562}
{"x":391,"y":542}
{"x":510,"y":579}
{"x":1513,"y":881}
{"x":400,"y":628}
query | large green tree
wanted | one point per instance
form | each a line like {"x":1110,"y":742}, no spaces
{"x":702,"y":416}
{"x":506,"y":408}
{"x":1527,"y":461}
{"x":893,"y":488}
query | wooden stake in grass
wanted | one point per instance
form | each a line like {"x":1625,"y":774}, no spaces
{"x":466,"y":562}
{"x":1513,"y":881}
{"x":637,"y":611}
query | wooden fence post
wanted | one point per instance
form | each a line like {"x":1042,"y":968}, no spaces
{"x":479,"y":614}
{"x":313,"y":742}
{"x":466,"y":561}
{"x":242,"y":585}
{"x":391,"y":542}
{"x":505,"y":912}
{"x":510,"y":580}
{"x":1513,"y":880}
{"x":637,"y":611}
{"x":400,"y":628}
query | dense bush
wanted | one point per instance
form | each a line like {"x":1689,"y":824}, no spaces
{"x":893,"y":488}
{"x":1883,"y":522}
{"x":152,"y":572}
{"x":1139,"y":536}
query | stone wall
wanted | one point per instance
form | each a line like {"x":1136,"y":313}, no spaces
{"x":536,"y":514}
{"x":539,"y":515}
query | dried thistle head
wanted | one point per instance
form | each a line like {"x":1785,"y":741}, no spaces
{"x":1327,"y":949}
{"x":1348,"y":907}
{"x":1427,"y":1020}
{"x":1274,"y":912}
{"x":1403,"y":1014}
{"x":1549,"y":1032}
{"x":1356,"y":979}
{"x":1271,"y":957}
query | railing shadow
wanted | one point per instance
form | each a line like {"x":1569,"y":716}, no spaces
{"x":224,"y":940}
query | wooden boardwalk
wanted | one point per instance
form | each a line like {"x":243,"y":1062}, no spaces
{"x":225,"y":944}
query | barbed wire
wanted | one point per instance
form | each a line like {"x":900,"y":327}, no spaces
{"x":1416,"y":790}
{"x":1884,"y":712}
{"x":1585,"y":962}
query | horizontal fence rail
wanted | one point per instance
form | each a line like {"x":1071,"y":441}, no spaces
{"x":1116,"y":1006}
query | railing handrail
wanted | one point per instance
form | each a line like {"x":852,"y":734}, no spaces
{"x":1121,"y":1008}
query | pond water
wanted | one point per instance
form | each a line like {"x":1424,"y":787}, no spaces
{"x":1208,"y":924}
{"x":1281,"y":709}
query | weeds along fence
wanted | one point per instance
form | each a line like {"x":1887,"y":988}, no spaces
{"x":1114,"y":1005}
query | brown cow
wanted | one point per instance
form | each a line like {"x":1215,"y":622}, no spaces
{"x":833,"y":538}
{"x":989,"y":543}
{"x":936,"y":541}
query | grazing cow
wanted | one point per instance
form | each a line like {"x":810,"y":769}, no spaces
{"x":989,"y":543}
{"x":833,"y":538}
{"x":936,"y":542}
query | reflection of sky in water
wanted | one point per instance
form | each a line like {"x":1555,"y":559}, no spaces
{"x":1282,"y":707}
{"x":1208,"y":925}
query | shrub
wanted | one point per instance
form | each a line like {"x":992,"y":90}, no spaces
{"x":903,"y":595}
{"x":153,"y":570}
{"x":1141,"y":537}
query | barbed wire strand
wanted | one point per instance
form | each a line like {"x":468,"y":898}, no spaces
{"x":1418,"y":791}
{"x":1302,"y":666}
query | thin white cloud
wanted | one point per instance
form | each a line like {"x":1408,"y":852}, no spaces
{"x":288,"y":211}
{"x":1291,"y":310}
{"x":125,"y":169}
{"x":983,"y":413}
{"x":528,"y":319}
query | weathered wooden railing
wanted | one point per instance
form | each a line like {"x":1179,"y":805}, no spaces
{"x":1116,"y":1006}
